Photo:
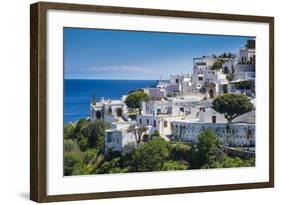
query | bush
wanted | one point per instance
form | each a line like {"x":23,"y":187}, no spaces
{"x":208,"y":146}
{"x":95,"y":132}
{"x":73,"y":161}
{"x":150,"y":156}
{"x":68,"y":131}
{"x":90,"y":156}
{"x":155,"y":134}
{"x":174,"y":165}
{"x":180,"y":151}
{"x":71,"y":146}
{"x":79,"y":125}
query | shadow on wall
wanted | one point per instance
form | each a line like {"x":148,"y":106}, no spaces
{"x":24,"y":195}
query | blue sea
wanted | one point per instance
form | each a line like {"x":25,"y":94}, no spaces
{"x":79,"y":93}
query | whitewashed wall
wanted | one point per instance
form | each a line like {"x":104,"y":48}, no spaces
{"x":240,"y":134}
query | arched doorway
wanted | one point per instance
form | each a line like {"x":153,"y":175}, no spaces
{"x":98,"y":114}
{"x":211,"y":93}
{"x":119,"y":112}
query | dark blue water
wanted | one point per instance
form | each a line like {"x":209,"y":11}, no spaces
{"x":79,"y":93}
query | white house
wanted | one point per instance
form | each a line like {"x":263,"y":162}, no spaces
{"x":209,"y":115}
{"x":245,"y":69}
{"x":160,"y":114}
{"x":182,"y":81}
{"x":108,"y":111}
{"x":213,"y":82}
{"x":186,"y":86}
{"x":118,"y":139}
{"x":229,"y":65}
{"x":247,"y":54}
{"x":157,"y":92}
{"x":160,"y":123}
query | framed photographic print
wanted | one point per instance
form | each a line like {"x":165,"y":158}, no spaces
{"x":135,"y":102}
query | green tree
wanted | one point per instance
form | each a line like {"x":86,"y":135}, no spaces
{"x":232,"y":105}
{"x":73,"y":157}
{"x":174,"y":165}
{"x":68,"y":131}
{"x":72,"y":160}
{"x":155,"y":134}
{"x":134,"y":99}
{"x":112,"y":166}
{"x":80,"y":168}
{"x":244,"y":85}
{"x":78,"y":126}
{"x":150,"y":156}
{"x":83,"y":143}
{"x":95,"y":166}
{"x":95,"y":132}
{"x":217,"y":65}
{"x":180,"y":151}
{"x":90,"y":156}
{"x":71,"y":146}
{"x":208,"y":146}
{"x":237,"y":162}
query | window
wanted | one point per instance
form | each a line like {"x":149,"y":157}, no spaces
{"x":147,"y":121}
{"x":110,"y":110}
{"x":177,"y":80}
{"x":158,"y":111}
{"x":169,"y":110}
{"x":182,"y":109}
{"x":214,"y":119}
{"x":140,"y":121}
{"x":200,"y":78}
{"x":165,"y":123}
{"x":109,"y":137}
{"x":154,"y":123}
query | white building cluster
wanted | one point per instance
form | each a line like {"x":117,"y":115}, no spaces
{"x":181,"y":108}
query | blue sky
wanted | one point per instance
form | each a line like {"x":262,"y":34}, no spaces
{"x":111,"y":54}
